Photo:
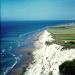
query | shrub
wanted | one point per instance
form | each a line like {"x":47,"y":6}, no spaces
{"x":23,"y":70}
{"x":67,"y":68}
{"x":72,"y":42}
{"x":47,"y":42}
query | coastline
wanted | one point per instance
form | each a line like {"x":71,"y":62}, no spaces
{"x":17,"y":68}
{"x":48,"y":57}
{"x":39,"y":43}
{"x":10,"y":68}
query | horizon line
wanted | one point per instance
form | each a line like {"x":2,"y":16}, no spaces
{"x":38,"y":20}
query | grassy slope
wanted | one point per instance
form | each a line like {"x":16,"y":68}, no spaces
{"x":64,"y":33}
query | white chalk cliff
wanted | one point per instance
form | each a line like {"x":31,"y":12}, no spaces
{"x":48,"y":58}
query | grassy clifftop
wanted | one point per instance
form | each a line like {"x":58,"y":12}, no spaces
{"x":64,"y":35}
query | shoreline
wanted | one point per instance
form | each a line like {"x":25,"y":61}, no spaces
{"x":41,"y":33}
{"x":37,"y":33}
{"x":43,"y":57}
{"x":14,"y":64}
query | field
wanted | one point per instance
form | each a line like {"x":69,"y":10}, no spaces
{"x":64,"y":35}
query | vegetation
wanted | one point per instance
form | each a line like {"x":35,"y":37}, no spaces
{"x":64,"y":34}
{"x":23,"y":70}
{"x":48,"y":43}
{"x":50,"y":73}
{"x":67,"y":68}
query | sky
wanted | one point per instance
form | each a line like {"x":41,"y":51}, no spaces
{"x":37,"y":10}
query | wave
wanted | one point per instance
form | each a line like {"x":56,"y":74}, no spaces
{"x":26,"y":38}
{"x":23,"y":39}
{"x":9,"y":68}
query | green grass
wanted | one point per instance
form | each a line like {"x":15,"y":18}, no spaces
{"x":64,"y":33}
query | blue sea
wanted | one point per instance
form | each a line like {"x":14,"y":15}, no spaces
{"x":18,"y":34}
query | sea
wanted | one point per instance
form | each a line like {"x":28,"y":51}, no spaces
{"x":17,"y":34}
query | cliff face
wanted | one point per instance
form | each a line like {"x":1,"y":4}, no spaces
{"x":47,"y":58}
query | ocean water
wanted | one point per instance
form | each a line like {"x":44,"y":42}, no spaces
{"x":16,"y":34}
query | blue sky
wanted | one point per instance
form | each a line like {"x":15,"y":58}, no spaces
{"x":37,"y":9}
